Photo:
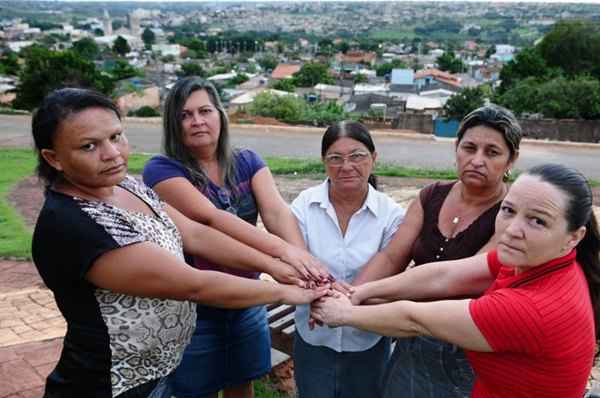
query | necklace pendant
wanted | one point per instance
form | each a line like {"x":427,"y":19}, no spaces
{"x":455,"y":220}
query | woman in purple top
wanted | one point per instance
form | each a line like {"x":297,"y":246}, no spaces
{"x":208,"y":181}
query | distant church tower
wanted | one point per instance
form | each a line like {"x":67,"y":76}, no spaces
{"x":134,"y":24}
{"x":107,"y":24}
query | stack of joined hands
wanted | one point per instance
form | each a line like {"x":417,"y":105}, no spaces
{"x":328,"y":309}
{"x":309,"y":273}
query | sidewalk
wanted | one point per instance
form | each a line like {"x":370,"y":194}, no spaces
{"x":31,"y":331}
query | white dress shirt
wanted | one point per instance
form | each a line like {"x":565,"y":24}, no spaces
{"x":369,"y":230}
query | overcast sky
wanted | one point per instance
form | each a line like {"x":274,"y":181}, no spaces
{"x":324,"y":1}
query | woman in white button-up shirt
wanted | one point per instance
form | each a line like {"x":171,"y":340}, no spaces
{"x":345,"y":221}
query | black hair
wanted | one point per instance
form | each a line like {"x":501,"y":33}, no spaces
{"x":579,"y":212}
{"x":173,"y":145}
{"x":355,"y":130}
{"x":498,"y":118}
{"x":55,"y":108}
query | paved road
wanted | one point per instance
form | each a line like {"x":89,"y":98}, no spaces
{"x":409,"y":150}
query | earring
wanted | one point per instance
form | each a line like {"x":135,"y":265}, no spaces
{"x":507,"y":175}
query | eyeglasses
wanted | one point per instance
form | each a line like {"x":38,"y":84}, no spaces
{"x":354,"y":158}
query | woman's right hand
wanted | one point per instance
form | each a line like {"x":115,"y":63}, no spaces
{"x":294,"y":295}
{"x":286,"y":274}
{"x":305,"y":263}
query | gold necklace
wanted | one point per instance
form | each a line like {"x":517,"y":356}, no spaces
{"x":456,"y":219}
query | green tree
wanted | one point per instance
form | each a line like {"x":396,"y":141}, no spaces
{"x":325,"y":46}
{"x":366,"y":44}
{"x":9,"y":64}
{"x":268,"y":62}
{"x":120,"y":46}
{"x":124,"y":70}
{"x":573,"y":46}
{"x":343,"y":46}
{"x":360,"y":78}
{"x":522,"y":96}
{"x":460,"y":104}
{"x":148,"y":37}
{"x":449,"y":62}
{"x":386,"y":68}
{"x":191,"y":69}
{"x":527,"y":63}
{"x":87,"y":48}
{"x":47,"y":70}
{"x":196,"y":47}
{"x":286,"y":108}
{"x":285,"y":85}
{"x":238,"y":79}
{"x":561,"y":97}
{"x":312,"y":73}
{"x":251,"y":67}
{"x":144,"y":111}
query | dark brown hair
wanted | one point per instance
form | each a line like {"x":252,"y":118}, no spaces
{"x":55,"y":108}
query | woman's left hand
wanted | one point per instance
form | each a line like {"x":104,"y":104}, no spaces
{"x":305,"y":264}
{"x":331,"y":310}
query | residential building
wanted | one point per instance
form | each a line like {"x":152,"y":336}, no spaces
{"x":504,"y":53}
{"x":429,"y":79}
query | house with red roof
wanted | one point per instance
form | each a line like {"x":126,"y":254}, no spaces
{"x":431,"y":79}
{"x":285,"y":71}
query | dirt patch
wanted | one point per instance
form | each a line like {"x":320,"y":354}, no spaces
{"x":27,"y":197}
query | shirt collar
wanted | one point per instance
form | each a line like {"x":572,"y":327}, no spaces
{"x":321,"y":197}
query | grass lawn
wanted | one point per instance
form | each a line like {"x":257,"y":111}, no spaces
{"x":15,"y":238}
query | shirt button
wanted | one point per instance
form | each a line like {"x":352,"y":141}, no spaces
{"x":437,"y":256}
{"x":447,"y":239}
{"x":441,"y":249}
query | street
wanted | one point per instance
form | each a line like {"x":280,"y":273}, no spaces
{"x":410,"y":150}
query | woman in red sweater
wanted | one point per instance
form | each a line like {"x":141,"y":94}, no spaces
{"x":532,"y":332}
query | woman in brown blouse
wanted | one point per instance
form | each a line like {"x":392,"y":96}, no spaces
{"x":449,"y":221}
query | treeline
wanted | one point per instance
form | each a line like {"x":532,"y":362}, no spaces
{"x":558,"y":78}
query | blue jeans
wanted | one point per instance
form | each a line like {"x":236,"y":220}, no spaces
{"x":423,"y":367}
{"x":228,"y":348}
{"x":321,"y":372}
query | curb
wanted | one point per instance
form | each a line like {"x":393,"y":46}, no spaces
{"x":408,"y":134}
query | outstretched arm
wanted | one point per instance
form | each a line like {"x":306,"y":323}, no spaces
{"x":147,"y":270}
{"x":394,"y":258}
{"x":448,"y":320}
{"x":216,"y":247}
{"x":279,"y":220}
{"x":182,"y":195}
{"x":464,"y":277}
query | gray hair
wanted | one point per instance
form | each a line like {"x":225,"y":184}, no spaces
{"x":172,"y":142}
{"x":498,"y":118}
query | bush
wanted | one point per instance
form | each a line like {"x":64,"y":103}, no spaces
{"x":560,"y":98}
{"x":295,"y":110}
{"x":144,"y":111}
{"x":460,"y":104}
